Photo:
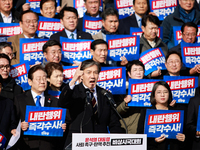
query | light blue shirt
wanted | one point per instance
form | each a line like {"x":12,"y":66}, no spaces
{"x":139,"y":20}
{"x":69,"y":34}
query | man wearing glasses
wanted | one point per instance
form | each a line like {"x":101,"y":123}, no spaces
{"x":9,"y":87}
{"x":183,"y":13}
{"x":37,"y":79}
{"x":28,"y":22}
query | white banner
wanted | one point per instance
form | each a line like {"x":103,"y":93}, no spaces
{"x":85,"y":141}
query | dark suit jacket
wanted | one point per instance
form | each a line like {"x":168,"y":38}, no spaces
{"x":7,"y":117}
{"x":80,"y":35}
{"x":191,"y":124}
{"x":176,"y":48}
{"x":21,"y":101}
{"x":14,"y":17}
{"x":74,"y":100}
{"x":126,"y":23}
{"x":151,"y":144}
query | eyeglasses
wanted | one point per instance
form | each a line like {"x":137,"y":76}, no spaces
{"x":11,"y":54}
{"x":34,"y":21}
{"x":173,"y":62}
{"x":2,"y":67}
{"x":162,"y":93}
{"x":40,"y":79}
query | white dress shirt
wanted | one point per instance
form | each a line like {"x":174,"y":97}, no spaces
{"x":7,"y":19}
{"x":42,"y":99}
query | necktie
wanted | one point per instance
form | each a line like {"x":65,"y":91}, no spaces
{"x":72,"y":36}
{"x":139,"y":23}
{"x":38,"y":101}
{"x":93,"y":102}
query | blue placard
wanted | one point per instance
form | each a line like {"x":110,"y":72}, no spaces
{"x":68,"y":73}
{"x":198,"y":120}
{"x":91,"y":25}
{"x":138,"y":31}
{"x":177,"y":35}
{"x":35,"y":5}
{"x":124,"y":8}
{"x":45,"y":121}
{"x":140,"y":91}
{"x":113,"y":79}
{"x":2,"y":141}
{"x":9,"y":29}
{"x":31,"y":50}
{"x":163,"y":122}
{"x":163,"y":8}
{"x":153,"y":59}
{"x":79,"y":5}
{"x":123,"y":45}
{"x":20,"y":73}
{"x":182,"y":87}
{"x":55,"y":94}
{"x":75,"y":50}
{"x":48,"y":26}
{"x":190,"y":54}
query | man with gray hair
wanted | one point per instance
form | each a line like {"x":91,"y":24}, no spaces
{"x":89,"y":109}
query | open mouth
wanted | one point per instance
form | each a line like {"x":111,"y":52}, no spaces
{"x":92,"y":82}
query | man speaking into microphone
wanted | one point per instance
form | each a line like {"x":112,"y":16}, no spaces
{"x":90,"y":112}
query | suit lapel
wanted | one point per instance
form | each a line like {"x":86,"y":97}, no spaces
{"x":1,"y":19}
{"x":64,"y":34}
{"x":29,"y":99}
{"x":78,"y":34}
{"x":133,"y":23}
{"x":48,"y":101}
{"x":100,"y":101}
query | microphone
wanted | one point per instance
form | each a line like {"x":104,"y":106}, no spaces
{"x":88,"y":99}
{"x":110,"y":99}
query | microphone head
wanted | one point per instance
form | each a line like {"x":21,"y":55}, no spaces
{"x":104,"y":92}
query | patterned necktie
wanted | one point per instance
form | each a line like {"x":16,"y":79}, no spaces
{"x":72,"y":35}
{"x":93,"y":102}
{"x":38,"y":101}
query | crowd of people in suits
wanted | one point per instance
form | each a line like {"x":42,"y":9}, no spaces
{"x":97,"y":116}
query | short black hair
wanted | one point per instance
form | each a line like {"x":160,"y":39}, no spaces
{"x":49,"y":44}
{"x":97,"y":42}
{"x":88,"y":63}
{"x":173,"y":52}
{"x":44,"y":1}
{"x":189,"y":24}
{"x":4,"y":45}
{"x":109,"y":12}
{"x":66,"y":8}
{"x":33,"y":69}
{"x":134,"y":62}
{"x":150,"y":18}
{"x":2,"y":55}
{"x":25,"y":12}
{"x":147,"y":5}
{"x":152,"y":97}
